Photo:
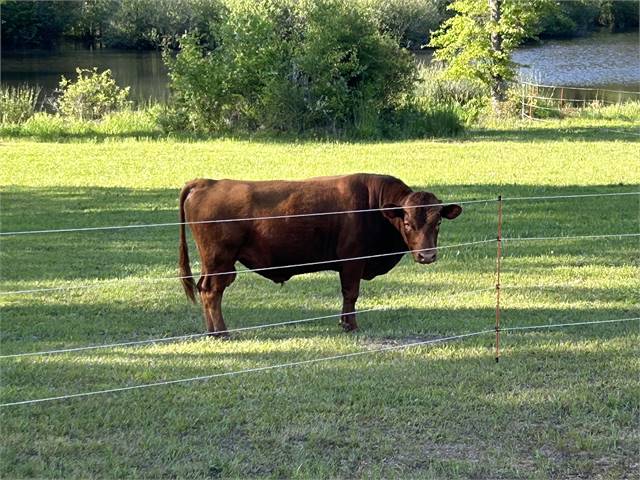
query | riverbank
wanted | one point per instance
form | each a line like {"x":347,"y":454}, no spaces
{"x":600,"y":60}
{"x":595,"y":122}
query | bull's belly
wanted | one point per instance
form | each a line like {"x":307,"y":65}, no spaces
{"x":281,"y":272}
{"x":303,"y":247}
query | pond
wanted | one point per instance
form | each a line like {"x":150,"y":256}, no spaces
{"x":143,"y":71}
{"x":601,"y":60}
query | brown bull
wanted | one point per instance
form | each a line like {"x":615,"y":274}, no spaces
{"x":269,"y":243}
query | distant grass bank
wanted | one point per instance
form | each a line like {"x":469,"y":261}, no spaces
{"x":561,"y":403}
{"x":447,"y":123}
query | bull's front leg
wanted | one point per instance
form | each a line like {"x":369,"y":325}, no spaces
{"x":350,"y":277}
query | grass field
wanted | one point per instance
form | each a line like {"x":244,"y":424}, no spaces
{"x":561,"y":403}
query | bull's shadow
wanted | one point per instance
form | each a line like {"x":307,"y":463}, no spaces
{"x":107,"y":367}
{"x":28,"y":327}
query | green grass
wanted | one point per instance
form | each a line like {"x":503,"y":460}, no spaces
{"x":561,"y":403}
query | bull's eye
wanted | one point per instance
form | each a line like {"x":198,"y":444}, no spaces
{"x":407,"y":226}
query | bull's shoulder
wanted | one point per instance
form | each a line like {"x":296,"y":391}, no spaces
{"x":373,"y":181}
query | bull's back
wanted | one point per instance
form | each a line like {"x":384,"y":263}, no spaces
{"x":209,"y":200}
{"x":301,"y":236}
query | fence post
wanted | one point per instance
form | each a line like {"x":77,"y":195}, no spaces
{"x":522,"y":114}
{"x":561,"y":96}
{"x":498,"y":261}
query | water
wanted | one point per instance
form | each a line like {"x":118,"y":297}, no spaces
{"x":602,"y":60}
{"x":143,"y":71}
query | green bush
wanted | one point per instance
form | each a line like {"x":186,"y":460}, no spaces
{"x":18,"y":104}
{"x":290,"y":66}
{"x":469,"y":98}
{"x":91,"y":96}
{"x":420,"y":119}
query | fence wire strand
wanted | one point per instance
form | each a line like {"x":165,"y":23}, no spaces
{"x":241,"y":219}
{"x":248,"y":370}
{"x":107,"y":282}
{"x":631,"y":92}
{"x":568,"y":324}
{"x":579,"y":195}
{"x":247,"y":270}
{"x":569,"y":237}
{"x":299,"y":215}
{"x":232,"y":330}
{"x":307,"y":362}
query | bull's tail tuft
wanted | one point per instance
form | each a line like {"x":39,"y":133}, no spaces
{"x":186,"y":277}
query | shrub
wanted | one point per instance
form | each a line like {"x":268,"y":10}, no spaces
{"x":419,"y":119}
{"x":469,"y":98}
{"x":18,"y":104}
{"x":92,"y":95}
{"x":283,"y":65}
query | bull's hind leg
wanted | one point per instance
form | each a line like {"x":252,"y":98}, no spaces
{"x":211,"y":290}
{"x":350,"y":277}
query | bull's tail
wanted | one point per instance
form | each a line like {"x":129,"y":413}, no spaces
{"x":186,"y":277}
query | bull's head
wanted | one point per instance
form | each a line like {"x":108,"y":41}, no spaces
{"x":419,"y":225}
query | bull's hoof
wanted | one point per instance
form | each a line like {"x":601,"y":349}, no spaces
{"x":218,"y":335}
{"x":348,"y":327}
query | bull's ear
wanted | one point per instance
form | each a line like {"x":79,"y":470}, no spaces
{"x":392,"y":211}
{"x":451,"y":211}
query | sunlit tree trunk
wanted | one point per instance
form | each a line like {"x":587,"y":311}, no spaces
{"x":498,"y":83}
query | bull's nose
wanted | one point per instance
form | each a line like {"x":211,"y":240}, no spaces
{"x":426,"y":257}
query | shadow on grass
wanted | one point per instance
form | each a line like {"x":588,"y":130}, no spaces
{"x":69,"y":325}
{"x":101,"y":368}
{"x":557,"y":132}
{"x":131,"y":309}
{"x":552,"y":132}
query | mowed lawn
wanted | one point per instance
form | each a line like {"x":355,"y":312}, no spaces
{"x":560,"y":403}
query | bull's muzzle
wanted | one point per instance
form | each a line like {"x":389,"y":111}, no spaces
{"x":425,"y":257}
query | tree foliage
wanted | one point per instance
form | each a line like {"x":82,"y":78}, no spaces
{"x":464,"y":41}
{"x":410,"y":22}
{"x":579,"y":17}
{"x":290,"y":66}
{"x":145,"y":24}
{"x":36,"y":24}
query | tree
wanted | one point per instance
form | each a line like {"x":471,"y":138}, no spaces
{"x":478,"y":40}
{"x":36,"y":24}
{"x":289,"y":65}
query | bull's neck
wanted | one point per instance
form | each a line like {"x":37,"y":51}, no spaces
{"x":387,"y":193}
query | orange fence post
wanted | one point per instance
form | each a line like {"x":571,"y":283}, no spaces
{"x":498,"y":261}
